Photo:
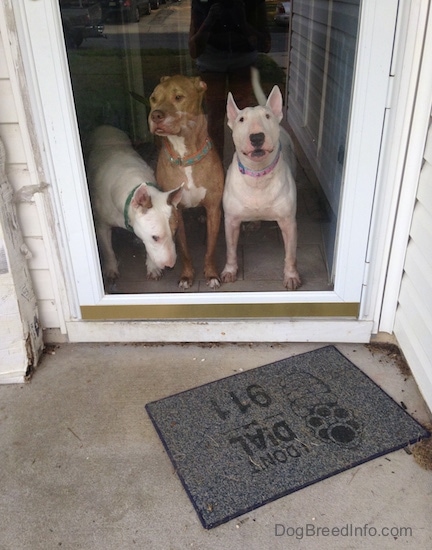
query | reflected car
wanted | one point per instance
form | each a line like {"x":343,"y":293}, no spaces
{"x":283,"y":13}
{"x":81,"y":19}
{"x":126,"y":10}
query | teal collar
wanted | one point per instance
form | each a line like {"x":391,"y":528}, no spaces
{"x":187,"y":161}
{"x":129,"y":200}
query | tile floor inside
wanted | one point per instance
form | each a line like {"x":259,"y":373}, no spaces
{"x":260,"y":252}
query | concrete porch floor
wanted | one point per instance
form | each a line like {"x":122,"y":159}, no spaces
{"x":83,"y":468}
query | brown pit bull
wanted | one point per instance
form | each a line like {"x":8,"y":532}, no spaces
{"x":187,"y":156}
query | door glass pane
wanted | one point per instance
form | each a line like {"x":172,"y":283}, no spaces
{"x":118,"y":52}
{"x":323,"y":46}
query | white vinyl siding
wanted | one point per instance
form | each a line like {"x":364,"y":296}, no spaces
{"x":20,"y":175}
{"x":413,"y":323}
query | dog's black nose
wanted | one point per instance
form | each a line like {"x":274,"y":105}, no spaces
{"x":157,"y":116}
{"x":257,"y":140}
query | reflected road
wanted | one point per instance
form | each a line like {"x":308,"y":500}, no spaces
{"x":167,"y":27}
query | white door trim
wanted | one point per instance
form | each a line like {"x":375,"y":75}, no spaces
{"x":416,"y":104}
{"x":45,"y":57}
{"x":251,"y":330}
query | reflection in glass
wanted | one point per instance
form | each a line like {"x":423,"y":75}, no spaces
{"x":116,"y":62}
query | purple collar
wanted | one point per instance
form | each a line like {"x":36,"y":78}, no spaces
{"x":259,"y":173}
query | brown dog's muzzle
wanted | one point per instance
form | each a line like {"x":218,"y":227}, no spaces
{"x":157,"y":116}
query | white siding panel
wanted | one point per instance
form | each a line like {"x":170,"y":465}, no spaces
{"x":411,"y":342}
{"x":3,"y":65}
{"x":42,"y":284}
{"x":7,"y":104}
{"x":428,"y":150}
{"x":29,"y":220}
{"x":413,"y":322}
{"x":421,"y":231}
{"x":22,"y":172}
{"x":18,"y":175}
{"x":424,"y":194}
{"x":418,"y":268}
{"x":414,"y":335}
{"x":411,"y":299}
{"x":38,"y":252}
{"x":48,"y":315}
{"x":11,"y":137}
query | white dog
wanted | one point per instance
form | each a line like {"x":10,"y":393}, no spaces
{"x":259,"y":184}
{"x":124,"y":195}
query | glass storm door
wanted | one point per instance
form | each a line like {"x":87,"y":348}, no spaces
{"x":97,"y":63}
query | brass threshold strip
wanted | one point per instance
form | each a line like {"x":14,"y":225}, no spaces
{"x":217,"y":311}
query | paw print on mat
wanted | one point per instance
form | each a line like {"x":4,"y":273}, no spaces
{"x":312,"y":399}
{"x":335,"y":424}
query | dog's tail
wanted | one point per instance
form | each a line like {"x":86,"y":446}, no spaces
{"x":256,"y":86}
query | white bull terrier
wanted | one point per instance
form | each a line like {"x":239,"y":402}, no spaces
{"x":259,"y":184}
{"x":124,"y":194}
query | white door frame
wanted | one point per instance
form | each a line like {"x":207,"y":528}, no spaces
{"x":41,"y":37}
{"x":404,"y":136}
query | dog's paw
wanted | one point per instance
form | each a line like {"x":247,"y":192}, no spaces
{"x":185,"y":283}
{"x":213,"y":282}
{"x":292,"y":282}
{"x":155,"y":274}
{"x":111,"y":274}
{"x":111,"y":278}
{"x":229,"y":275}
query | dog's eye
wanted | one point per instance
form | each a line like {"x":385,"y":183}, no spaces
{"x":178,"y":97}
{"x":267,"y":116}
{"x":241,"y":119}
{"x":155,"y":238}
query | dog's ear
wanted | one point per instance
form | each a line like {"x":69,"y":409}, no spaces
{"x":141,"y":197}
{"x":174,"y":197}
{"x":199,"y":84}
{"x":275,"y":103}
{"x":232,"y":109}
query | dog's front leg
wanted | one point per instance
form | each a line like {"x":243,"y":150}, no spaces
{"x":232,"y":232}
{"x":188,"y":273}
{"x":213,"y":224}
{"x":109,"y":260}
{"x":288,"y":227}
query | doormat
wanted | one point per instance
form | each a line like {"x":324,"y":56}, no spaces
{"x":246,"y":440}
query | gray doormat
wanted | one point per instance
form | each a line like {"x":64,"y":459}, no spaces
{"x":254,"y":437}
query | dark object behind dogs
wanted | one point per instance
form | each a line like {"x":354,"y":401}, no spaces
{"x":224,"y":39}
